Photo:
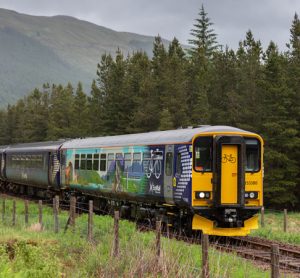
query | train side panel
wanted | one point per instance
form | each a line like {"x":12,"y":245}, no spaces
{"x":132,"y":173}
{"x":28,"y":168}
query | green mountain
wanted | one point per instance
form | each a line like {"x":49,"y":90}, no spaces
{"x":60,"y":49}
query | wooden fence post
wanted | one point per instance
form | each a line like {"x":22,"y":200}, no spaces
{"x":26,"y":212}
{"x":14,"y":213}
{"x":275,"y":261}
{"x":168,"y":229}
{"x":90,"y":220}
{"x":205,"y":263}
{"x":285,"y":220}
{"x":41,"y":213}
{"x":262,"y":217}
{"x":157,"y":242}
{"x":72,"y":211}
{"x":3,"y":210}
{"x":116,"y":234}
{"x":55,"y":212}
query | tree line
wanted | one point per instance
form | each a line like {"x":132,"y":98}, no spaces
{"x":250,"y":88}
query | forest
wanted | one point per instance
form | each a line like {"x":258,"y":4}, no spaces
{"x":206,"y":84}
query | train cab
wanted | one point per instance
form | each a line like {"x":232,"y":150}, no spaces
{"x":227,"y":186}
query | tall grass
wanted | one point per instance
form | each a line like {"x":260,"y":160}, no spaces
{"x":273,"y":228}
{"x":29,"y":252}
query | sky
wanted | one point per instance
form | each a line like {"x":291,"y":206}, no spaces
{"x":267,"y":19}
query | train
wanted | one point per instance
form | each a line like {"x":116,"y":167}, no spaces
{"x":206,"y":178}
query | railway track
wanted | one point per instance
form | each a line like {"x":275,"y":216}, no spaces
{"x":259,"y":249}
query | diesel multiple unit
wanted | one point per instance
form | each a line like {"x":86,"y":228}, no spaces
{"x":207,"y":178}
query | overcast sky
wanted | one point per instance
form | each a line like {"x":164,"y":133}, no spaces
{"x":268,"y":19}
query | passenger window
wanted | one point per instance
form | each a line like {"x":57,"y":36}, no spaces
{"x":89,"y":162}
{"x":169,"y":164}
{"x":111,"y":158}
{"x":76,"y":161}
{"x":127,"y":162}
{"x":83,"y":162}
{"x":103,"y":162}
{"x":96,"y":162}
{"x":178,"y":164}
{"x":136,"y":164}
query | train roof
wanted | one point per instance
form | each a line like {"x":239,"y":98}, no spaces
{"x":150,"y":138}
{"x":32,"y":147}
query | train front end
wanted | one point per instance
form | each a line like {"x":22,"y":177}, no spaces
{"x":227,"y":182}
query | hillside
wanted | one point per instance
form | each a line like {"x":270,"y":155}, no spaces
{"x":59,"y":49}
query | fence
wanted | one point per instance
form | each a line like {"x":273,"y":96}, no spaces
{"x":284,"y":218}
{"x":57,"y":221}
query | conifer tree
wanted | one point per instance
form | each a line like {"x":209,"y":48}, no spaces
{"x":80,"y":113}
{"x":278,"y":131}
{"x":145,"y":114}
{"x":95,"y":108}
{"x":249,"y":72}
{"x":36,"y":117}
{"x":165,"y":120}
{"x":199,"y":74}
{"x":4,"y":139}
{"x":60,"y":113}
{"x":294,"y":84}
{"x":204,"y":41}
{"x":174,"y":96}
{"x":111,"y":80}
{"x":224,"y":99}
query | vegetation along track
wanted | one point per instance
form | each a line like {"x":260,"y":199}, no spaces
{"x":259,"y":249}
{"x":253,"y":248}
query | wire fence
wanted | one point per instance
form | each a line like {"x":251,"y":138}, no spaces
{"x":78,"y":217}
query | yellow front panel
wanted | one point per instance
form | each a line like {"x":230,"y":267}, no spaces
{"x":253,"y":182}
{"x":201,"y":182}
{"x":229,"y":172}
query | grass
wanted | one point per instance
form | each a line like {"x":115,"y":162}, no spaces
{"x":29,"y":252}
{"x":273,"y":228}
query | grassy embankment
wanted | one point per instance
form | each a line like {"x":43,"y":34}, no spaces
{"x":29,"y":252}
{"x":273,"y":228}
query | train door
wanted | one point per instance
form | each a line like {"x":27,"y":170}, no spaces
{"x":229,"y":178}
{"x":230,"y":173}
{"x":169,"y":174}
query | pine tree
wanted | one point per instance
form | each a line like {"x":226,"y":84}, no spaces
{"x":249,"y":72}
{"x":95,"y":108}
{"x":80,"y":113}
{"x":60,"y":112}
{"x":4,"y":139}
{"x":294,"y":84}
{"x":36,"y":116}
{"x":174,"y":97}
{"x":224,"y":99}
{"x":111,"y":81}
{"x":165,"y":120}
{"x":145,"y":114}
{"x":204,"y":41}
{"x":199,"y":73}
{"x":278,"y":130}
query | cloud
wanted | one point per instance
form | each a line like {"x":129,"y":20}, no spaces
{"x":268,"y":19}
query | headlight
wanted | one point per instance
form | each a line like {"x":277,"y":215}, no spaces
{"x":202,"y":195}
{"x":251,"y":195}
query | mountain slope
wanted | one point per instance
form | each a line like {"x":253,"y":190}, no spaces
{"x":59,"y":49}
